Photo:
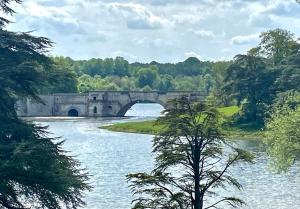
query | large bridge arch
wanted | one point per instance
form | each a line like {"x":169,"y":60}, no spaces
{"x":127,"y":106}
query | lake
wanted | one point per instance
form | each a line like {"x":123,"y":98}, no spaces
{"x":109,"y":156}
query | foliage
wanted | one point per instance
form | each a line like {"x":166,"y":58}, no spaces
{"x":282,"y":135}
{"x":248,"y":79}
{"x":219,"y":71}
{"x":66,"y":79}
{"x":254,"y":79}
{"x":289,"y":76}
{"x":277,"y":44}
{"x":147,"y":76}
{"x":191,"y":163}
{"x":118,"y":74}
{"x":35,"y":172}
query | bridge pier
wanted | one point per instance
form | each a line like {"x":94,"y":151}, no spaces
{"x":97,"y":103}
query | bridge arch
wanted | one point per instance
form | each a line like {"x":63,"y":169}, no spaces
{"x":126,"y":107}
{"x":73,"y":112}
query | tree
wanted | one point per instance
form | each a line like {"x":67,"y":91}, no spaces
{"x":35,"y":171}
{"x":218,"y":73}
{"x":166,"y":83}
{"x":277,"y":44}
{"x":121,"y":67}
{"x":191,"y":164}
{"x":282,"y":135}
{"x":289,"y":74}
{"x":66,"y":78}
{"x":248,"y":78}
{"x":147,"y":76}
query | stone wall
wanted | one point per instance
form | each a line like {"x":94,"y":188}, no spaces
{"x":96,"y":103}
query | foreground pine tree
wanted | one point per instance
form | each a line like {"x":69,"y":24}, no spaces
{"x":191,"y":164}
{"x":35,"y":172}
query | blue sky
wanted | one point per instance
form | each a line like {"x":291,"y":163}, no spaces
{"x":161,"y":30}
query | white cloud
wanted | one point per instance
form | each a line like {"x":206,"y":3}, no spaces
{"x":204,"y":34}
{"x":190,"y":17}
{"x":161,"y":30}
{"x":246,"y":39}
{"x":266,"y":14}
{"x":34,"y":9}
{"x":193,"y":54}
{"x":137,"y":16}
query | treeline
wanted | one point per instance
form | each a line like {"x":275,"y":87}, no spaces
{"x":119,"y":74}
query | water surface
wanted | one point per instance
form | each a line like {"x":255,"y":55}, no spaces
{"x":109,"y":156}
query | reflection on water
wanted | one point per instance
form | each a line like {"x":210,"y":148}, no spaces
{"x":109,"y":156}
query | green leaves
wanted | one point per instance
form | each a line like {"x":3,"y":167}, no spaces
{"x":191,"y":164}
{"x":6,"y":9}
{"x":35,"y":172}
{"x":282,"y":135}
{"x":277,"y":44}
{"x":249,"y":80}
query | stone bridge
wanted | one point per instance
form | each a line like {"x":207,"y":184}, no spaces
{"x":97,"y":103}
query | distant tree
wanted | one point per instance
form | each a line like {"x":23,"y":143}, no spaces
{"x":248,"y":78}
{"x":166,"y":83}
{"x":108,"y":65}
{"x":208,"y":83}
{"x":121,"y":67}
{"x":282,"y":135}
{"x":191,"y":165}
{"x":278,"y":44}
{"x":66,"y":78}
{"x":218,"y":73}
{"x":191,"y":67}
{"x":35,"y":171}
{"x":185,"y":83}
{"x":147,"y":88}
{"x":147,"y":76}
{"x":288,"y":74}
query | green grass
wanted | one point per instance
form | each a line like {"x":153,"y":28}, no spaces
{"x":143,"y":127}
{"x":246,"y":131}
{"x":229,"y":111}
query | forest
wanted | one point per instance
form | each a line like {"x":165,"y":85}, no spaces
{"x":118,"y":74}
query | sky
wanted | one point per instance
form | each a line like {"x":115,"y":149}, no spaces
{"x":160,"y":30}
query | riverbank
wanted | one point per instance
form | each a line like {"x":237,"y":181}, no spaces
{"x":152,"y":127}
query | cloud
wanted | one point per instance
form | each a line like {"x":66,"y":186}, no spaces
{"x":206,"y":34}
{"x":263,"y":15}
{"x":127,"y":55}
{"x":246,"y":39}
{"x":137,"y":16}
{"x":161,"y":30}
{"x":193,"y":54}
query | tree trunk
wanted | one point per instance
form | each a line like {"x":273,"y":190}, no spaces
{"x":198,"y":200}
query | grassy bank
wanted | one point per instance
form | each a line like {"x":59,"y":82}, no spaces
{"x":151,"y":127}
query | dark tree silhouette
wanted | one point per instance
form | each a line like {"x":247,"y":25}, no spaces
{"x":35,"y":171}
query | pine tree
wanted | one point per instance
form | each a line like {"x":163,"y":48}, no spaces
{"x":191,"y":164}
{"x":35,"y":171}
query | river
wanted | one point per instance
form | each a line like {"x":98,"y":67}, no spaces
{"x":109,"y":156}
